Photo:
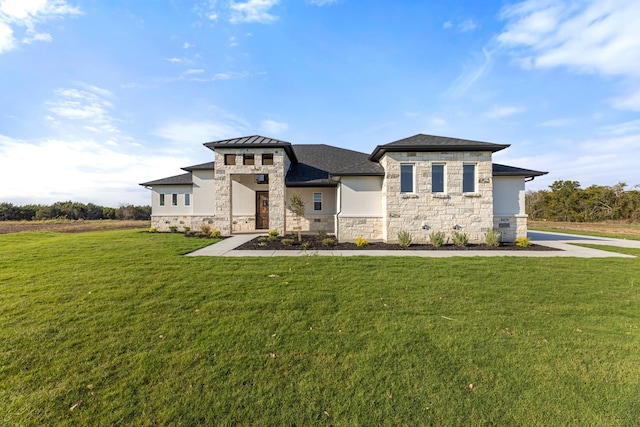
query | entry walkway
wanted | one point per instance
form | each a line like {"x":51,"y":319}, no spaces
{"x":561,"y":241}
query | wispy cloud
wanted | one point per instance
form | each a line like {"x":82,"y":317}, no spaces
{"x":471,"y":73}
{"x":322,"y":2}
{"x":272,"y":127}
{"x":465,"y":26}
{"x":501,"y":111}
{"x":25,"y":16}
{"x":253,"y":11}
{"x":591,"y":36}
{"x":90,"y":104}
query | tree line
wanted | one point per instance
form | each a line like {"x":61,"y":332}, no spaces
{"x":72,"y":210}
{"x":566,"y":201}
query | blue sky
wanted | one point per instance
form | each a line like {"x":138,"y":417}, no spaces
{"x":100,"y":96}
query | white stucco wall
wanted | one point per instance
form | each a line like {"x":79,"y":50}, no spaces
{"x":243,"y":190}
{"x":508,"y":195}
{"x":168,"y":209}
{"x":361,"y":196}
{"x":203,"y":199}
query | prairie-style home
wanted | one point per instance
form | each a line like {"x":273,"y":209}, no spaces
{"x":419,"y":184}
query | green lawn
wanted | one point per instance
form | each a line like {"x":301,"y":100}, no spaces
{"x":117,"y":328}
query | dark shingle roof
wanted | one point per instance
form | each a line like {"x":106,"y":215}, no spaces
{"x":184,"y":179}
{"x":253,"y":141}
{"x":317,"y":162}
{"x":201,"y":167}
{"x":504,"y":170}
{"x":428,"y":143}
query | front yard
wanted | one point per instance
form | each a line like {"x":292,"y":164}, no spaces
{"x":117,"y":328}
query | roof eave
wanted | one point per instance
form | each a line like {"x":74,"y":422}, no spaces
{"x":381,"y":150}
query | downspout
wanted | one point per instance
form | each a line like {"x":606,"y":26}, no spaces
{"x":337,"y":221}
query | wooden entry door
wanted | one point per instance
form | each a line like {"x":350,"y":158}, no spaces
{"x":262,"y":210}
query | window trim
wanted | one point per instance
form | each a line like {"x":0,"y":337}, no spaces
{"x":187,"y":199}
{"x":268,"y":157}
{"x":248,"y":159}
{"x":317,"y":204}
{"x":413,"y":178}
{"x":444,"y":178}
{"x":174,"y":199}
{"x":228,"y":159}
{"x":475,"y":178}
{"x":161,"y":200}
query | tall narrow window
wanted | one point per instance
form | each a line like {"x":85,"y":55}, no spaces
{"x":161,"y":199}
{"x":187,"y":199}
{"x":229,"y":159}
{"x":174,"y":199}
{"x":267,"y":159}
{"x":317,"y":201}
{"x":248,"y":159}
{"x":469,"y":178}
{"x":406,"y":178}
{"x":437,"y":178}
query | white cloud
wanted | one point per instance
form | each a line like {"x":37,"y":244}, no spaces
{"x":89,"y":105}
{"x":84,"y":170}
{"x":187,"y":45}
{"x":498,"y":112}
{"x":470,"y":75}
{"x":272,"y":127}
{"x":447,"y":24}
{"x":556,"y":123}
{"x":194,"y":132}
{"x":27,"y":15}
{"x":590,"y":36}
{"x":467,"y":25}
{"x":253,"y":11}
{"x":322,"y":2}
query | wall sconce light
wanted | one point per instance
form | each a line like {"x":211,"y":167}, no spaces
{"x":426,"y":227}
{"x":457,"y":227}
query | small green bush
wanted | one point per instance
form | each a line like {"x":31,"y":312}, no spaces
{"x":361,"y":241}
{"x":186,"y":229}
{"x":272,"y":238}
{"x":189,"y":233}
{"x":216,"y":234}
{"x":153,"y":230}
{"x":262,"y":244}
{"x":460,"y":239}
{"x":173,"y":229}
{"x":329,"y":241}
{"x":273,"y":233}
{"x":492,"y":238}
{"x":437,"y":238}
{"x":205,"y":228}
{"x":287,"y":242}
{"x":262,"y":239}
{"x":523,"y":242}
{"x":322,"y":235}
{"x":404,"y":239}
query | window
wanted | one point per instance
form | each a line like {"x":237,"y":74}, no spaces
{"x":267,"y":159}
{"x":406,"y":178}
{"x":248,"y":159}
{"x":317,"y":201}
{"x":262,"y":178}
{"x":437,"y":178}
{"x":161,"y":199}
{"x":469,"y":178}
{"x":229,"y":159}
{"x":174,"y":199}
{"x":187,"y":199}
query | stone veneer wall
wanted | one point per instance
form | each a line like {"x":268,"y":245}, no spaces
{"x":423,"y":212}
{"x":310,"y":223}
{"x":511,"y":226}
{"x":352,"y":227}
{"x":194,"y":222}
{"x":223,"y":176}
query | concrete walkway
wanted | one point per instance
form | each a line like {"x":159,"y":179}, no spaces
{"x":555,"y":240}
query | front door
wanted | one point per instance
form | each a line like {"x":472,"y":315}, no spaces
{"x":262,"y":210}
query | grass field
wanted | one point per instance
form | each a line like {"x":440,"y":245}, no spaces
{"x":117,"y":328}
{"x":616,"y":229}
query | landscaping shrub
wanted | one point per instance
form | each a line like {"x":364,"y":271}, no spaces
{"x":273,"y":233}
{"x":492,"y":238}
{"x":216,"y":234}
{"x":322,"y":235}
{"x":437,"y":238}
{"x":460,"y":239}
{"x":206,"y":229}
{"x":361,"y":241}
{"x":329,"y":241}
{"x":287,"y":242}
{"x":404,"y":239}
{"x":523,"y":242}
{"x":173,"y":229}
{"x":153,"y":230}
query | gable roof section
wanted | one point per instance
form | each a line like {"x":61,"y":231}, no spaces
{"x":504,"y":170}
{"x":317,"y":162}
{"x":421,"y":143}
{"x":184,"y":179}
{"x":201,"y":167}
{"x":255,"y":141}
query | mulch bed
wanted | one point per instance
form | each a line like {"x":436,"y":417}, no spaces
{"x":312,"y":243}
